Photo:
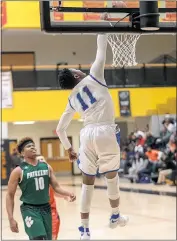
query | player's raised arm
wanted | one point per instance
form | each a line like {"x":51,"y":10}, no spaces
{"x":12,"y":187}
{"x":97,"y":68}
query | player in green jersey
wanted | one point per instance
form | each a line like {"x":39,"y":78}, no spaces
{"x":33,"y":177}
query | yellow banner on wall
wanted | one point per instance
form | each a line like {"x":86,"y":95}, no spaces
{"x":22,"y":14}
{"x":49,"y":105}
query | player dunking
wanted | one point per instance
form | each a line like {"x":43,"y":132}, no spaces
{"x":99,"y":148}
{"x":33,"y":177}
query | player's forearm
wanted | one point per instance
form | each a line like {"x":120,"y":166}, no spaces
{"x":59,"y":195}
{"x":102,"y":41}
{"x":62,"y":127}
{"x":97,"y":69}
{"x":101,"y":47}
{"x":64,"y":139}
{"x":61,"y":191}
{"x":10,"y":206}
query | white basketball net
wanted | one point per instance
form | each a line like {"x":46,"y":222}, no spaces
{"x":123,"y":48}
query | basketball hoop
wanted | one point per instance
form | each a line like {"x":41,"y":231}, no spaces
{"x":123,"y":47}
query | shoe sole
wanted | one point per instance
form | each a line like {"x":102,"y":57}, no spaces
{"x":85,"y":239}
{"x":117,"y":224}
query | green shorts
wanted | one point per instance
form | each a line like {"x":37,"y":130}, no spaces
{"x":37,"y":220}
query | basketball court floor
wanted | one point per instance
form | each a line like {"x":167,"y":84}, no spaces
{"x":151,"y":209}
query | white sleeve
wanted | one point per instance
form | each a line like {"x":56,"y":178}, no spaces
{"x":63,"y":125}
{"x":97,"y":68}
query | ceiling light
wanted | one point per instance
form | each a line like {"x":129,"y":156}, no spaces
{"x":23,"y":122}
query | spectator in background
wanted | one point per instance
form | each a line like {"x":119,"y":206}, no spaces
{"x":131,"y":141}
{"x":124,"y":163}
{"x":150,"y":140}
{"x":164,"y":138}
{"x":139,"y":133}
{"x":169,"y":126}
{"x":168,"y":167}
{"x":16,"y":159}
{"x":140,"y":141}
{"x":129,"y":145}
{"x":140,"y":144}
{"x":169,"y":123}
{"x":138,"y":164}
{"x":173,"y":140}
{"x":174,"y":172}
{"x":154,"y":157}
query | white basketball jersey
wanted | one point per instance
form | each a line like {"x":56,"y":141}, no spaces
{"x":92,"y":100}
{"x":90,"y":97}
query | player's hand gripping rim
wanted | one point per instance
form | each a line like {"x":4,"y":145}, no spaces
{"x":105,"y":16}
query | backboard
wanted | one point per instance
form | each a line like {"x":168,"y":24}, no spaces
{"x":84,"y":16}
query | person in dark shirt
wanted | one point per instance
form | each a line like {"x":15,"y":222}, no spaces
{"x":168,"y":168}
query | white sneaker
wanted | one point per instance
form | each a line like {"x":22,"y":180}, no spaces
{"x":85,"y":233}
{"x":118,"y":220}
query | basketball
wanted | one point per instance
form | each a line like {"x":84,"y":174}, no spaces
{"x":119,"y":4}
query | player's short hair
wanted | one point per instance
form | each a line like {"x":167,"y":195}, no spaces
{"x":66,"y":79}
{"x":23,"y":142}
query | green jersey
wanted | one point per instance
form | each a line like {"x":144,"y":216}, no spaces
{"x":35,"y":183}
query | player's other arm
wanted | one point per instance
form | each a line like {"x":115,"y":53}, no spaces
{"x":11,"y":190}
{"x":41,"y":158}
{"x":97,"y":68}
{"x":57,"y":188}
{"x":61,"y":131}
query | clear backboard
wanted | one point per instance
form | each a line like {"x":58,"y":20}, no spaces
{"x":85,"y":16}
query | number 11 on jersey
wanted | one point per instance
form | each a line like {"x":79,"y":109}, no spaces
{"x":89,"y":94}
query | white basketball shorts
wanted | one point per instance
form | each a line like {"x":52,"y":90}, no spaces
{"x":99,"y":150}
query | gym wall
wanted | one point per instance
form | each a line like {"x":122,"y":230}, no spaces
{"x":51,"y":49}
